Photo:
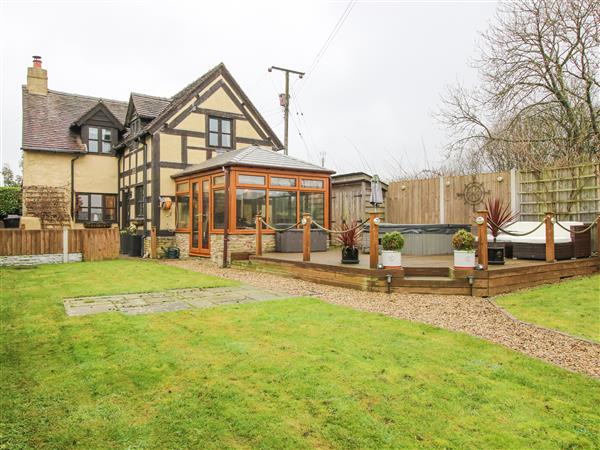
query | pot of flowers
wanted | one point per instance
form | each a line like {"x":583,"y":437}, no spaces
{"x":499,"y":216}
{"x":349,"y":238}
{"x":392,"y":243}
{"x":463,"y":244}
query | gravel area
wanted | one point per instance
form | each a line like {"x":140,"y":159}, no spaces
{"x":473,"y":315}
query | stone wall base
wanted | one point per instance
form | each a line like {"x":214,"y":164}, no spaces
{"x":238,"y":243}
{"x":34,"y":260}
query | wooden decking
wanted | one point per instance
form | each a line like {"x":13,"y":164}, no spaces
{"x":420,"y":274}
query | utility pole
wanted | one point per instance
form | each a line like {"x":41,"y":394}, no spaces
{"x":284,"y":100}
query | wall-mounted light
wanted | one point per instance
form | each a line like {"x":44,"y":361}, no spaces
{"x":403,"y":187}
{"x":500,"y":179}
{"x":447,"y":184}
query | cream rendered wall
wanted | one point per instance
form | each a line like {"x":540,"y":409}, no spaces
{"x":244,"y":129}
{"x":97,"y":174}
{"x":220,"y":101}
{"x":196,"y":156}
{"x":46,"y":169}
{"x":170,"y":148}
{"x":193,"y":122}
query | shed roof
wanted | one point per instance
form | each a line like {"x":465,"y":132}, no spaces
{"x":253,"y":156}
{"x":353,"y":177}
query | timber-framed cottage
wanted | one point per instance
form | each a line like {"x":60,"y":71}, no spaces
{"x":196,"y":167}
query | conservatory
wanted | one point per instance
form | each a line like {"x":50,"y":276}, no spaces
{"x":218,"y":200}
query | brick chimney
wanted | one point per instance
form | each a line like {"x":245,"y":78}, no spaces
{"x":37,"y":78}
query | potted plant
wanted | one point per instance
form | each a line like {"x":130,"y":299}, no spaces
{"x":499,"y":216}
{"x":349,"y":238}
{"x":392,"y":244}
{"x":463,"y":244}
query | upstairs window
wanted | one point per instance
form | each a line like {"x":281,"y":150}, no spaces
{"x":99,"y":140}
{"x":220,"y":132}
{"x":135,"y":126}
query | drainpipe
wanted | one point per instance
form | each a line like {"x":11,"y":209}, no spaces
{"x":73,"y":186}
{"x":226,"y":217}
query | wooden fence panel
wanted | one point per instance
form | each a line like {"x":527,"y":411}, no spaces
{"x":95,"y":244}
{"x":413,"y":201}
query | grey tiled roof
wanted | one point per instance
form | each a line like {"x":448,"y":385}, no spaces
{"x":47,"y":119}
{"x":149,"y":106}
{"x":253,"y":157}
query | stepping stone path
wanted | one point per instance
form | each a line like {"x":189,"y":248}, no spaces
{"x":166,"y":301}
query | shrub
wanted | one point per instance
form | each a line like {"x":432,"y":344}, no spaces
{"x":393,"y":241}
{"x":10,"y":201}
{"x":499,"y":215}
{"x":463,"y":240}
{"x":350,"y":235}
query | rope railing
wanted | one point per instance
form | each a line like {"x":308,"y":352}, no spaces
{"x":585,"y":230}
{"x":512,"y":233}
{"x":279,"y":229}
{"x":361,"y":224}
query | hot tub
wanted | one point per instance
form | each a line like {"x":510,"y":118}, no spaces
{"x":420,"y":239}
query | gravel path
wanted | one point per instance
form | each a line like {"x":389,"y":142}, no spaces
{"x":473,"y":315}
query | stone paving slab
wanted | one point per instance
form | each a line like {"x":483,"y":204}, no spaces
{"x":167,"y":301}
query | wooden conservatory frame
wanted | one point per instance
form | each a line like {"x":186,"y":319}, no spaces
{"x":230,"y":177}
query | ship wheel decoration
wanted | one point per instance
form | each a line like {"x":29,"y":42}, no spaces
{"x":474,"y":192}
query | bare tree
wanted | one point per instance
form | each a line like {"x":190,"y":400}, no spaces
{"x":538,"y":100}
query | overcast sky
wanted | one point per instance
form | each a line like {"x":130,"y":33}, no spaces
{"x":369,"y":101}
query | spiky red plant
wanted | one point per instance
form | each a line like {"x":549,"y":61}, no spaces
{"x":350,"y":236}
{"x":500,"y":215}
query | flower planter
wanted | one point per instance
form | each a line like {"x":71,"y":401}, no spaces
{"x":349,"y":255}
{"x":391,"y":259}
{"x":135,"y":245}
{"x":464,"y":259}
{"x":125,"y":244}
{"x":496,"y":254}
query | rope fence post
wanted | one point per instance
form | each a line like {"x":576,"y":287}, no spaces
{"x":373,"y":240}
{"x":306,"y":221}
{"x":258,"y":223}
{"x":549,"y":237}
{"x":482,"y":243}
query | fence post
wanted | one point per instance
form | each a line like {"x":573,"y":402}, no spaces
{"x":482,"y":243}
{"x":549,"y":237}
{"x":373,"y":240}
{"x":65,"y":245}
{"x":153,"y":243}
{"x":258,"y":235}
{"x":306,"y":219}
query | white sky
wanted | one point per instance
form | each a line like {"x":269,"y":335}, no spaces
{"x":369,"y":101}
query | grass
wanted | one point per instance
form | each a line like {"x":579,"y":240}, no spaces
{"x":572,"y":306}
{"x":296,"y":373}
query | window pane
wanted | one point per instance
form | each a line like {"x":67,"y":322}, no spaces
{"x":279,"y":181}
{"x":106,"y":147}
{"x":183,"y":187}
{"x":218,"y":209}
{"x":213,"y":139}
{"x":82,"y":200}
{"x":219,"y":180}
{"x":96,"y":200}
{"x":314,"y":184}
{"x":93,"y":133}
{"x":83,"y":214}
{"x":248,"y":203}
{"x":314,"y":204}
{"x":205,"y":233}
{"x":110,"y":215}
{"x":213,"y":124}
{"x":226,"y":126}
{"x":96,"y":214}
{"x":225,"y":140}
{"x":183,"y":211}
{"x":110,"y":201}
{"x":282,"y":208}
{"x":195,"y":231}
{"x":93,"y":146}
{"x":106,"y":134}
{"x":251,"y":179}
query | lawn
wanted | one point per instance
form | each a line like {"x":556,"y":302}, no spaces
{"x":572,"y":306}
{"x":296,"y":373}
